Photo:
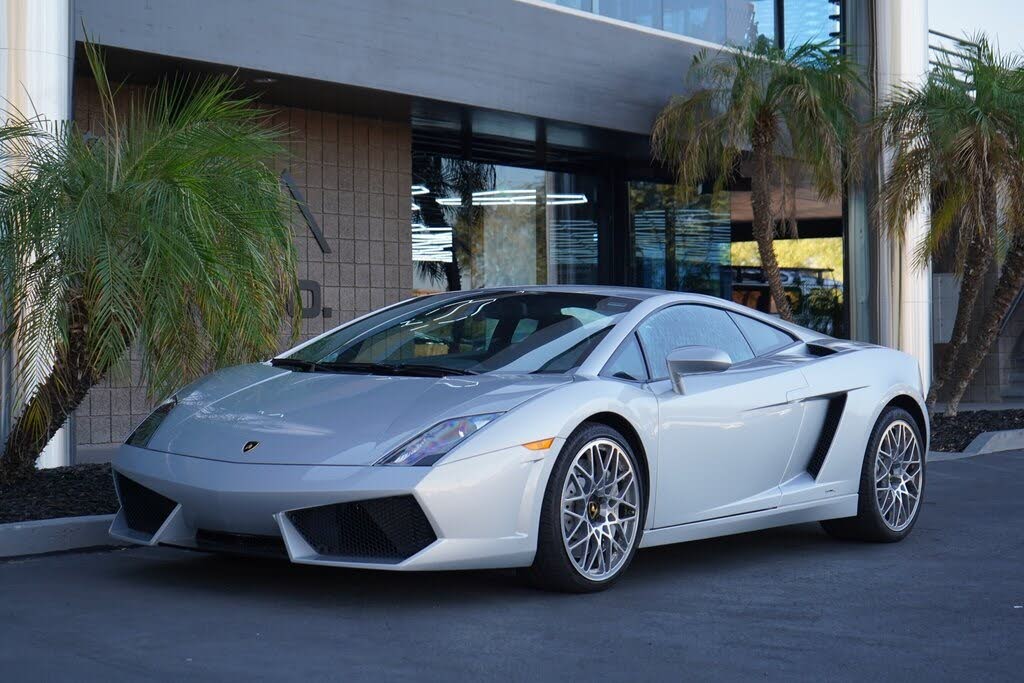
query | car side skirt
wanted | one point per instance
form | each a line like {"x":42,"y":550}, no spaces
{"x":833,"y":508}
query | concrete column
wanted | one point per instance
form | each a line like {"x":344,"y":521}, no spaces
{"x":36,"y":55}
{"x":904,"y":288}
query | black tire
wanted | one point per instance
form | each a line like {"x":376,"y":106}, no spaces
{"x":869,"y":524}
{"x":552,"y":568}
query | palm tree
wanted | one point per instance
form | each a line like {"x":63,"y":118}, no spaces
{"x":956,"y":141}
{"x":168,"y":234}
{"x":788,"y":106}
{"x":1008,"y":288}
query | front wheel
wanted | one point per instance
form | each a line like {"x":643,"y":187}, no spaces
{"x":891,"y":483}
{"x":592,"y":516}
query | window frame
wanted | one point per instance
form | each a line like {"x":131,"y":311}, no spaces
{"x":617,"y":353}
{"x":792,"y":338}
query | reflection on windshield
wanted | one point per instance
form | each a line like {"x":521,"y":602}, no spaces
{"x":520,"y":332}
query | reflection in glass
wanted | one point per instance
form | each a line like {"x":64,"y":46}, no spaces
{"x":483,"y":225}
{"x":733,"y":22}
{"x":812,"y":272}
{"x":643,"y":12}
{"x":678,"y":244}
{"x":810,"y":20}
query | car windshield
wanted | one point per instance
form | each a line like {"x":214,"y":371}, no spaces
{"x":520,"y":332}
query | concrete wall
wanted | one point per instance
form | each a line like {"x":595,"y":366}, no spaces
{"x":356,"y":175}
{"x":511,"y":55}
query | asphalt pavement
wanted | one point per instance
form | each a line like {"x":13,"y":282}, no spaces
{"x":791,"y":603}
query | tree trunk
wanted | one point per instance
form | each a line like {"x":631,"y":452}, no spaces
{"x":1011,"y":279}
{"x":763,"y":223}
{"x":977,"y":263}
{"x":452,"y":272}
{"x":55,"y":400}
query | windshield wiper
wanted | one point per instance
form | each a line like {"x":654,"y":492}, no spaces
{"x":439,"y":370}
{"x":343,"y":366}
{"x":405,"y":369}
{"x":295,"y":364}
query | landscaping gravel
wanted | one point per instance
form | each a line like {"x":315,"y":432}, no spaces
{"x":60,"y":492}
{"x":953,"y":434}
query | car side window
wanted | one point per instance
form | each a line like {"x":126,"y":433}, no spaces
{"x":763,"y":338}
{"x":690,"y":325}
{"x":628,"y":362}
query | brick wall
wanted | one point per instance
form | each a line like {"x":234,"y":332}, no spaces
{"x":355,"y":174}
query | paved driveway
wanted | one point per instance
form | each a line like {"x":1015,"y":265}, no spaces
{"x":792,"y":603}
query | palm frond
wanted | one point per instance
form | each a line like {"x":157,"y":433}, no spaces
{"x":168,"y":230}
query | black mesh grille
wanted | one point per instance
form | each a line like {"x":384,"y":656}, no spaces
{"x":381,"y":529}
{"x":144,"y":509}
{"x":245,"y":544}
{"x":833,"y":413}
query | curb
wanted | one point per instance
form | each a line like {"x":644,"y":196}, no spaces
{"x":55,"y":535}
{"x":992,"y":442}
{"x":986,"y":442}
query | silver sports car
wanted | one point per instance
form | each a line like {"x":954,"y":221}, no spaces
{"x":553,"y":429}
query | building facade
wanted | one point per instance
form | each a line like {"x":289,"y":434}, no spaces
{"x":467,"y":143}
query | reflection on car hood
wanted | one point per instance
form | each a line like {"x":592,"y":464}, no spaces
{"x":326,"y":418}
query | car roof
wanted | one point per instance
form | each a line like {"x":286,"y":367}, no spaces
{"x":638,"y":293}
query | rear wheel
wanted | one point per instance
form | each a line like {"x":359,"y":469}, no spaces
{"x":891,"y":483}
{"x":592,"y":516}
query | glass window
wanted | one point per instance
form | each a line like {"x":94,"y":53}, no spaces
{"x":483,"y":225}
{"x":810,"y":20}
{"x":487,"y":332}
{"x":628,"y":362}
{"x":690,"y":325}
{"x":762,"y":23}
{"x":732,"y":22}
{"x":809,"y":248}
{"x":677,"y":244}
{"x":761,"y":337}
{"x":643,"y":12}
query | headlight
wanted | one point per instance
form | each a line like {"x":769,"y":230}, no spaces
{"x":433,"y":444}
{"x":147,"y":428}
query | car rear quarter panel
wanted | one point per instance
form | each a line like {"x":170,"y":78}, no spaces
{"x":871,"y":378}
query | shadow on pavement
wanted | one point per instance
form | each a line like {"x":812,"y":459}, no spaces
{"x":331,"y":587}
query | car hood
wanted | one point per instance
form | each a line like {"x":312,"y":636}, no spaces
{"x":326,"y":418}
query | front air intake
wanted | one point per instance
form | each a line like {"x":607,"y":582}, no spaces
{"x":385,"y":530}
{"x":145,"y":510}
{"x":240,"y":544}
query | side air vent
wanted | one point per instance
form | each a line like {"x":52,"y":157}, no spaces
{"x":145,"y":510}
{"x":820,"y":350}
{"x":833,"y":413}
{"x":384,"y":530}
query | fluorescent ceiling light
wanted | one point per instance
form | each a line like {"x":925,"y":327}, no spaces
{"x":431,"y":243}
{"x":514,"y":198}
{"x":420,"y":189}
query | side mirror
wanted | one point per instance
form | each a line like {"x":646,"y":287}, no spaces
{"x":695,"y":360}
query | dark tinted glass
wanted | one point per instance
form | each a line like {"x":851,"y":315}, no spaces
{"x":763,"y":338}
{"x":484,"y":332}
{"x":690,"y":325}
{"x":628,"y":362}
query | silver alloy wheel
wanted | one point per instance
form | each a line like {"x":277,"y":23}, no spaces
{"x":898,"y":475}
{"x":600,"y":509}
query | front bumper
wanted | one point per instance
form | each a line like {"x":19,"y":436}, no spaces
{"x":482,"y":512}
